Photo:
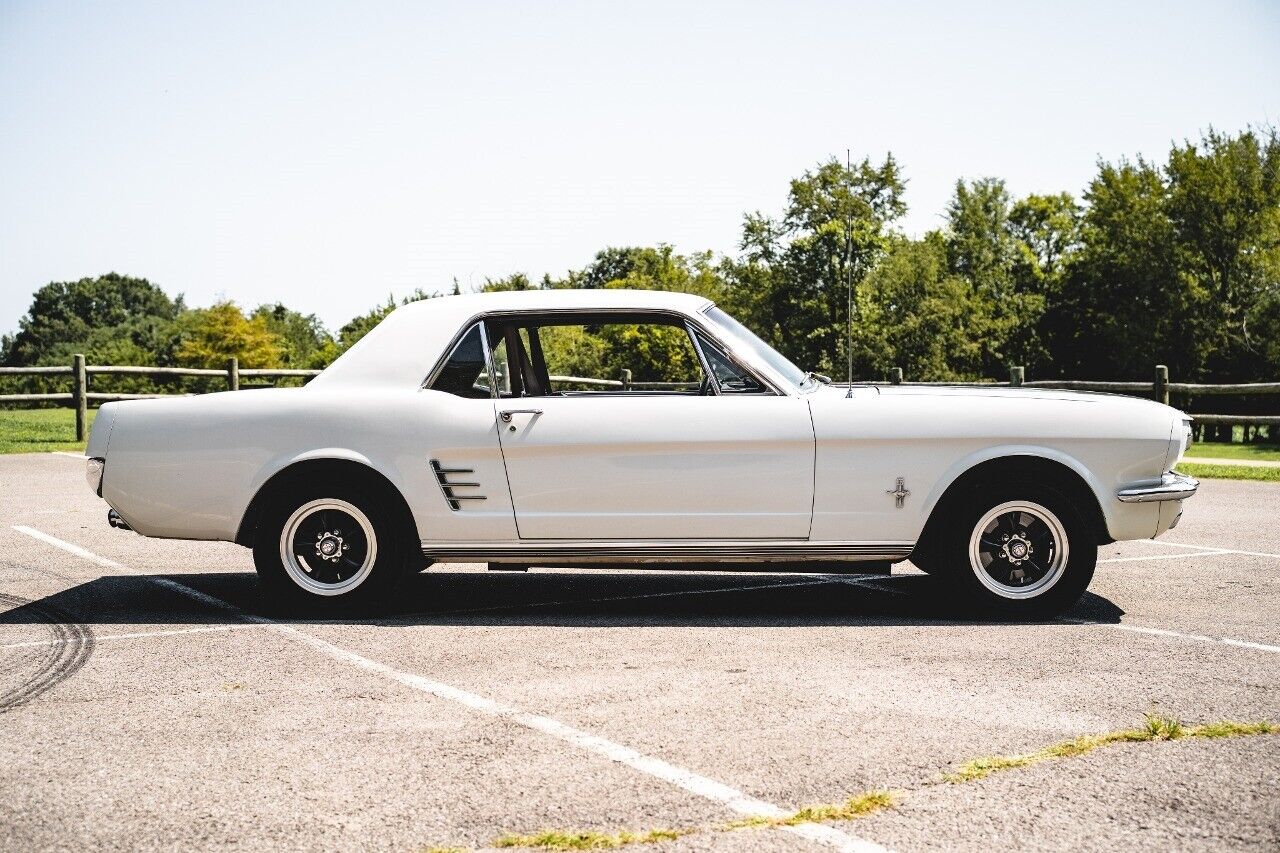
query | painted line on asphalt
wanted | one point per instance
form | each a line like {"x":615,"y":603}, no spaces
{"x":1165,"y":632}
{"x":68,"y":453}
{"x":1203,"y":548}
{"x":1213,"y":553}
{"x":687,"y":780}
{"x":133,"y":636}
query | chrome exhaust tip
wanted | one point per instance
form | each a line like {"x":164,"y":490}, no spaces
{"x":114,"y":519}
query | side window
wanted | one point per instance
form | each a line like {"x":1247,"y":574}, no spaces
{"x":465,"y":373}
{"x":729,"y":377}
{"x":618,"y":357}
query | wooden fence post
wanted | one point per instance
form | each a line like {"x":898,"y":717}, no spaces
{"x":1016,"y":375}
{"x":79,"y":388}
{"x":233,"y":374}
{"x":1160,"y":388}
{"x":895,"y":376}
{"x":626,"y":379}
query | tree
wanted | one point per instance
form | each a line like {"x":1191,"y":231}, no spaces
{"x":920,"y":316}
{"x":301,"y":336}
{"x":984,"y":250}
{"x":1223,"y":207}
{"x":790,"y":281}
{"x":208,"y":337}
{"x":108,"y":317}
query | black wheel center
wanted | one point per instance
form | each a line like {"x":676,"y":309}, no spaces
{"x":1017,"y":548}
{"x":330,"y":546}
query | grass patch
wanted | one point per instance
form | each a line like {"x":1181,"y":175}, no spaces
{"x":1221,"y":450}
{"x":852,"y":808}
{"x":1154,"y":727}
{"x":39,"y":430}
{"x":1229,"y":472}
{"x":554,"y":839}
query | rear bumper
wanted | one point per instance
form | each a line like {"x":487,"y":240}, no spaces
{"x":1172,"y":487}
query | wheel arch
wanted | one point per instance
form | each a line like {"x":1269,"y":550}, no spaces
{"x":1021,"y":465}
{"x":347,"y":470}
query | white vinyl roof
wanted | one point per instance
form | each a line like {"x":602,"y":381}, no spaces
{"x":404,"y":347}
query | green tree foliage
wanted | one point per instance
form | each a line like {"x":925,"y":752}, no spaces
{"x":112,"y":319}
{"x":1175,"y":262}
{"x":790,"y":282}
{"x":209,"y":337}
{"x":302,"y":337}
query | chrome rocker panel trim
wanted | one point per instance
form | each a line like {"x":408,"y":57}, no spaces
{"x":639,"y":552}
{"x":1172,"y":487}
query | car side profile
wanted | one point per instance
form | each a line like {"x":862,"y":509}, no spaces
{"x":617,"y":427}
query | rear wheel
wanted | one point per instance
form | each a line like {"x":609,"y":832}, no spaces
{"x":1017,"y":549}
{"x":325,"y":548}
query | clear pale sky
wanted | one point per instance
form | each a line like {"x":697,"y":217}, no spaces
{"x":325,"y":154}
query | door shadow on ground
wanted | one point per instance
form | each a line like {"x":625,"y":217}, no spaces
{"x":559,"y":598}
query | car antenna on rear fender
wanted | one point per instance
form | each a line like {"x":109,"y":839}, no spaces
{"x":848,"y":274}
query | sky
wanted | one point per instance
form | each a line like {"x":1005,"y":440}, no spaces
{"x":325,"y":155}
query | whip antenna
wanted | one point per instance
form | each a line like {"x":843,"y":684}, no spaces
{"x":848,"y":272}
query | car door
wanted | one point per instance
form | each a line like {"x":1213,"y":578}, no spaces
{"x":666,"y":447}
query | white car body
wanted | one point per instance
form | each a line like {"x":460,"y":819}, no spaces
{"x":798,"y":473}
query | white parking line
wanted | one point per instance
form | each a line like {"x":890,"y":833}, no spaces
{"x":1203,"y":548}
{"x":1165,"y":632}
{"x":686,"y":780}
{"x":68,"y":453}
{"x":134,"y":636}
{"x":1211,"y":553}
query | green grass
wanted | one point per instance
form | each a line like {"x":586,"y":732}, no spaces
{"x":1154,"y":727}
{"x":1264,"y":452}
{"x":554,"y":839}
{"x":39,"y":430}
{"x":1230,"y":472}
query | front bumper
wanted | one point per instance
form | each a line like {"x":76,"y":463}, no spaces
{"x":1172,"y":487}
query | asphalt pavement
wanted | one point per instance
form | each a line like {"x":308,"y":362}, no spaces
{"x":149,"y":702}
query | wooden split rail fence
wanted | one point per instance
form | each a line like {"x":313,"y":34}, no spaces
{"x":79,"y":398}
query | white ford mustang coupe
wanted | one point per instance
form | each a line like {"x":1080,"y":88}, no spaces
{"x":615,"y":427}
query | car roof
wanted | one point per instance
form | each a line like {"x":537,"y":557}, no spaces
{"x":560,"y":299}
{"x":402,"y":350}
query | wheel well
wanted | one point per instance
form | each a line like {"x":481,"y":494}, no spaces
{"x":343,"y":472}
{"x":1035,"y":468}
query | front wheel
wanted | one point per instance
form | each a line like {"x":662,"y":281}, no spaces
{"x":1020,"y":549}
{"x":324,"y":549}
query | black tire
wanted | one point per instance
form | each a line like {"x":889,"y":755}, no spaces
{"x":1018,"y":519}
{"x":355,"y":522}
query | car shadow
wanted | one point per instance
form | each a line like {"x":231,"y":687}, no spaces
{"x":552,"y":598}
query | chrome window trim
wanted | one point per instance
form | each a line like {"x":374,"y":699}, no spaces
{"x":697,"y":322}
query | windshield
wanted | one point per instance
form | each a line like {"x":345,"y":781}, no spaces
{"x":763,"y":351}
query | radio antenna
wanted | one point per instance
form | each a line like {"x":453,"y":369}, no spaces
{"x":848,"y":272}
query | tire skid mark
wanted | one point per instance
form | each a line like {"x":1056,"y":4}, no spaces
{"x":70,"y":648}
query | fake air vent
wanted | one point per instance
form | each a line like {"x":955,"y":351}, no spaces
{"x":448,"y":485}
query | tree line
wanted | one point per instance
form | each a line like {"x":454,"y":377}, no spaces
{"x":1176,"y":262}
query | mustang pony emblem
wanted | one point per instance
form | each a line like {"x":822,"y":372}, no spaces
{"x":899,"y":492}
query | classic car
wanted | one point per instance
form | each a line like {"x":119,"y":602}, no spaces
{"x":614,"y":427}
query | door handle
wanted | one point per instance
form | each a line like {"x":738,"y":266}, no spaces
{"x":506,"y":416}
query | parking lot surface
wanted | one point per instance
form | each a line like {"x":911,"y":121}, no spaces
{"x":147,"y":701}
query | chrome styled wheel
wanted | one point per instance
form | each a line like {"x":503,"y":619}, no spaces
{"x":1018,"y":549}
{"x":328,"y":546}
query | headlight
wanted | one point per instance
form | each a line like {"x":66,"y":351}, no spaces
{"x":93,"y":474}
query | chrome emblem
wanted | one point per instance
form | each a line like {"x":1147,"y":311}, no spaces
{"x":899,"y":492}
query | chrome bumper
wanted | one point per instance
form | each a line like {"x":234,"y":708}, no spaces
{"x":1172,"y":487}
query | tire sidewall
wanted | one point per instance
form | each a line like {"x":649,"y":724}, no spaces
{"x":389,"y":563}
{"x":1082,"y":551}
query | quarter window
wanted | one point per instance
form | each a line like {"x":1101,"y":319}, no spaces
{"x":465,"y":373}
